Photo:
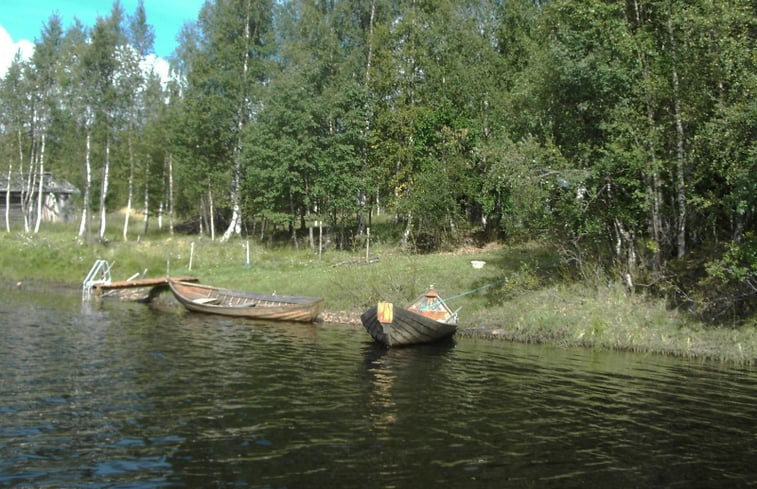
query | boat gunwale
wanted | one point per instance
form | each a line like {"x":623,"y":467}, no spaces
{"x":220,"y":291}
{"x":267,"y":307}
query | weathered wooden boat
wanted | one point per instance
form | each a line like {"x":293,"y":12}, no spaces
{"x":427,"y":319}
{"x":275,"y":307}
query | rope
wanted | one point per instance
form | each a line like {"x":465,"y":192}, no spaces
{"x":439,"y":300}
{"x":473,"y":291}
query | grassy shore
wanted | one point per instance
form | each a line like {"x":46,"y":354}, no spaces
{"x":519,"y":295}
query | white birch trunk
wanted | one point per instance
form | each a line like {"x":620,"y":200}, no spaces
{"x":130,"y":190}
{"x":10,"y":175}
{"x":212,"y":211}
{"x":170,"y":194}
{"x":8,"y":199}
{"x":84,"y":225}
{"x":104,"y":190}
{"x":41,"y":185}
{"x":8,"y":188}
{"x":147,"y":204}
{"x":27,"y":184}
{"x":680,"y":152}
{"x":406,"y":233}
{"x":235,"y":225}
{"x":28,"y":194}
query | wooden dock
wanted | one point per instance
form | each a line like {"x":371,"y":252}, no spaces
{"x":147,"y":288}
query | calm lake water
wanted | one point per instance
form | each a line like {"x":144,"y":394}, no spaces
{"x":124,"y":395}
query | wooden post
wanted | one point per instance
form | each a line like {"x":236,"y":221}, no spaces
{"x":191,"y":254}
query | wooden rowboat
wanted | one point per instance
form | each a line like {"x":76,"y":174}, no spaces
{"x":215,"y":300}
{"x":425,"y":320}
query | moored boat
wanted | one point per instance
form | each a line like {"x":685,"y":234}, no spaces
{"x":427,"y":319}
{"x":216,"y":300}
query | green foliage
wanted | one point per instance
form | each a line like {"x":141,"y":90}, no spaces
{"x":622,"y":133}
{"x":739,"y":262}
{"x":728,"y":293}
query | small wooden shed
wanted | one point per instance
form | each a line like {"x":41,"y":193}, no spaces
{"x":57,"y":200}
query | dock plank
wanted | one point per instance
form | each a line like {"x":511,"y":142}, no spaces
{"x":144,"y":282}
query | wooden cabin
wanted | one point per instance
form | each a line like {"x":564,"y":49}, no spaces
{"x":57,"y":203}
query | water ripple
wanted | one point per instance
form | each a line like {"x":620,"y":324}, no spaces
{"x":120,"y":395}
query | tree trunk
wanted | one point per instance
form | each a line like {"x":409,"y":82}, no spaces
{"x":104,"y":190}
{"x":147,"y":201}
{"x":235,"y":225}
{"x":41,"y":184}
{"x":292,"y":227}
{"x":406,"y":233}
{"x":654,"y":187}
{"x":26,"y":187}
{"x":130,"y":189}
{"x":170,"y":194}
{"x":203,"y":215}
{"x":84,"y":225}
{"x":212,"y":211}
{"x":8,"y":188}
{"x":680,"y":183}
{"x":369,"y":59}
{"x":8,"y":198}
{"x":625,"y":241}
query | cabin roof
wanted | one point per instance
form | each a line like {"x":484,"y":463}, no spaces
{"x":50,"y":184}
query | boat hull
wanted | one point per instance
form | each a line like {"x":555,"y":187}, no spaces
{"x":406,"y":328}
{"x":214,"y":300}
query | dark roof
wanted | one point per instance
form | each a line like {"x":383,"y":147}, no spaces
{"x":50,"y":185}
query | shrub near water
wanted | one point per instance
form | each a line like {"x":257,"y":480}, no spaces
{"x":519,"y":295}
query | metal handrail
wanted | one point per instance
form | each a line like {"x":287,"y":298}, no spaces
{"x":101,"y":268}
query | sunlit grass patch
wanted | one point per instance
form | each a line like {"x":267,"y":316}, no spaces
{"x":611,"y":318}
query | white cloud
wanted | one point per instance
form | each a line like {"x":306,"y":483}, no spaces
{"x":9,"y":48}
{"x":158,"y":65}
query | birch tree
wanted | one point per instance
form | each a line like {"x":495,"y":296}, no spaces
{"x":225,"y":72}
{"x":45,"y":65}
{"x":14,"y":110}
{"x":79,"y":92}
{"x":132,"y":84}
{"x":102,"y":63}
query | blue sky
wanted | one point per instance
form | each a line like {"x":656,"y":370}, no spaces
{"x":21,"y":21}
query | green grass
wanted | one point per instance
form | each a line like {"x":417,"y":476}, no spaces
{"x":519,"y":295}
{"x":610,"y":318}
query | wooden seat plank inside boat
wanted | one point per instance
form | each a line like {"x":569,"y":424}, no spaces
{"x":206,"y":300}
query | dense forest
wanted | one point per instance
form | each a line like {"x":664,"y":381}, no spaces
{"x":620,"y":131}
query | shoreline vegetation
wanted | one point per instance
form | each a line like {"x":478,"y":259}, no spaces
{"x":519,"y":295}
{"x":627,"y":149}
